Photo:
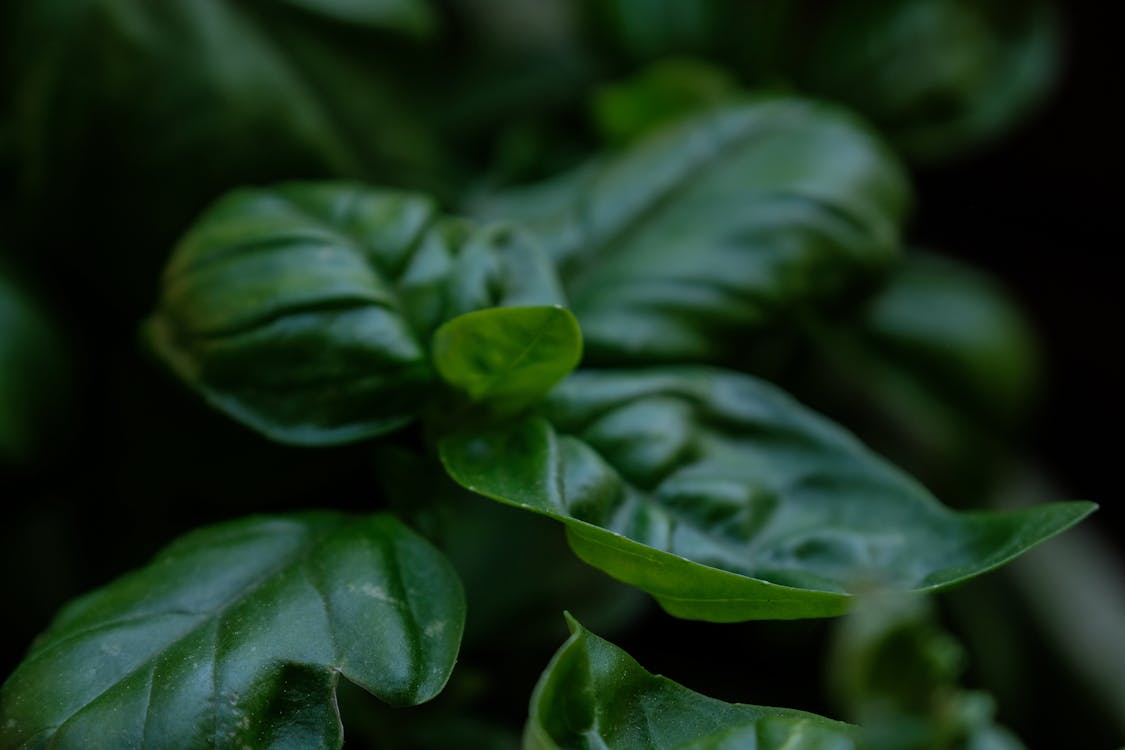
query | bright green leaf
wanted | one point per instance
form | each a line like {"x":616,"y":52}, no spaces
{"x":304,"y":310}
{"x":726,"y":500}
{"x":509,"y":354}
{"x":675,"y":248}
{"x":235,"y":636}
{"x":594,"y":696}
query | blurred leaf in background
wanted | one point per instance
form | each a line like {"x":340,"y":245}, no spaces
{"x":35,"y":378}
{"x":896,"y":673}
{"x":134,"y":115}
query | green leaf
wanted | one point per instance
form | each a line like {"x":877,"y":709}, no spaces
{"x":938,"y":369}
{"x":415,"y":17}
{"x":510,"y":355}
{"x":235,"y":636}
{"x":726,"y":500}
{"x":135,"y":116}
{"x":939,"y":77}
{"x":594,"y":696}
{"x":897,"y":673}
{"x":304,"y":310}
{"x":675,"y":248}
{"x":34,"y":385}
{"x":960,"y":329}
{"x":660,"y":94}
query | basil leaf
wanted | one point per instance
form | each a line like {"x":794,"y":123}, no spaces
{"x":726,"y":500}
{"x":939,"y":77}
{"x":960,"y":329}
{"x":897,"y":673}
{"x":510,"y":355}
{"x":236,"y":635}
{"x":135,"y":116}
{"x":660,"y":94}
{"x":675,"y":247}
{"x":34,"y":378}
{"x":595,"y":696}
{"x":303,"y":310}
{"x":415,"y":17}
{"x":937,"y":369}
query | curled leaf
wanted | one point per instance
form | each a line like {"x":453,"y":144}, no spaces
{"x":674,"y":248}
{"x":304,"y":310}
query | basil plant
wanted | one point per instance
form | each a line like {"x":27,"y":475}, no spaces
{"x":586,"y":358}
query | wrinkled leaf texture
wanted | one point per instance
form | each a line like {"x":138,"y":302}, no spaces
{"x":674,"y":248}
{"x":727,"y":500}
{"x":235,"y":636}
{"x":594,"y":696}
{"x":305,"y":310}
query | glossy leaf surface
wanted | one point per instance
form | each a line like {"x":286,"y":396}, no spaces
{"x":305,"y":310}
{"x":716,"y":224}
{"x":726,"y":500}
{"x":508,"y":355}
{"x":236,"y":635}
{"x":594,"y":696}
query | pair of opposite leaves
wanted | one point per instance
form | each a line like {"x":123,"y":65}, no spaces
{"x":306,"y":311}
{"x":302,"y":311}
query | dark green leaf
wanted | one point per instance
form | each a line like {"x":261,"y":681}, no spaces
{"x":716,"y":225}
{"x":727,"y":500}
{"x":660,"y":94}
{"x":898,"y":675}
{"x":594,"y":696}
{"x":235,"y":636}
{"x":938,"y":76}
{"x":304,"y":310}
{"x":136,"y":115}
{"x":957,"y":327}
{"x":408,"y":16}
{"x":510,"y":355}
{"x":937,"y":369}
{"x":33,"y":375}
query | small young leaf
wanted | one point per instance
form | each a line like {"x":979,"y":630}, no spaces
{"x":715,"y":225}
{"x":594,"y":696}
{"x":726,"y":500}
{"x":235,"y":636}
{"x":508,"y":355}
{"x":303,"y":310}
